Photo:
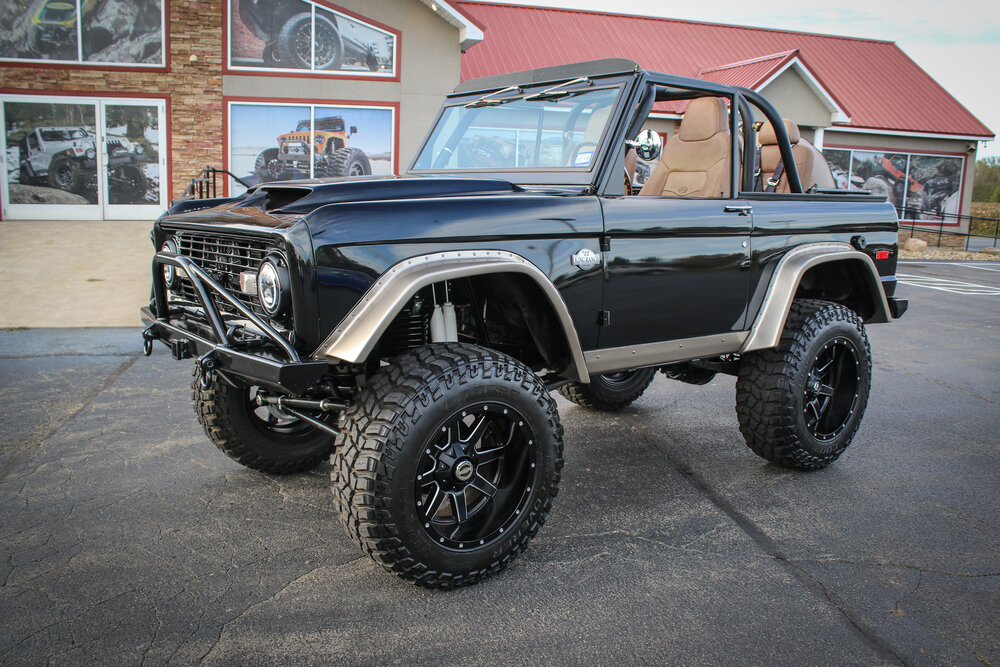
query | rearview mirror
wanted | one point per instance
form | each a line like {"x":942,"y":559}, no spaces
{"x":647,"y":145}
{"x":354,"y":129}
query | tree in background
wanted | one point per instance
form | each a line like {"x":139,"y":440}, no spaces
{"x":986,"y":186}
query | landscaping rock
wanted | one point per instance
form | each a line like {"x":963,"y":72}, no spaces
{"x":995,"y":252}
{"x":915,"y":245}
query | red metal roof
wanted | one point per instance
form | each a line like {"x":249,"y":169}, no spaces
{"x":876,"y":84}
{"x":748,"y":73}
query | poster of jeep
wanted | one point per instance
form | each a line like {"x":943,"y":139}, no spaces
{"x":921,"y":187}
{"x":127,"y":32}
{"x":301,"y":35}
{"x":52,"y":153}
{"x":283,"y":142}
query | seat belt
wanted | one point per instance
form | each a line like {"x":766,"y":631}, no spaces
{"x":775,"y":179}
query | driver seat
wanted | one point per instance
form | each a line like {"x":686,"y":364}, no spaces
{"x":696,"y":161}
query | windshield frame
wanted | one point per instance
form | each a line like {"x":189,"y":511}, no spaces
{"x":561,"y":175}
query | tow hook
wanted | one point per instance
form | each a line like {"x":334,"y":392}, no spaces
{"x":206,"y":366}
{"x":147,"y":341}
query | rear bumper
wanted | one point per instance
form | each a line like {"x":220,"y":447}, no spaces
{"x":897,"y":307}
{"x":269,"y":362}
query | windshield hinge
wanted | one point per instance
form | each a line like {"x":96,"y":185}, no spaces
{"x":605,"y":244}
{"x":604,"y":317}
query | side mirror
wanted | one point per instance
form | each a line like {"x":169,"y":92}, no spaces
{"x":354,"y":129}
{"x":647,"y":145}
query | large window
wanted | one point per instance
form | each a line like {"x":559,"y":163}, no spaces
{"x":87,"y":32}
{"x":277,"y":142}
{"x":921,"y":187}
{"x":297,"y":36}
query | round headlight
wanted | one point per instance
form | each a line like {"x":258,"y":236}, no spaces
{"x":139,"y":150}
{"x":169,"y":273}
{"x":272,"y":286}
{"x":91,"y":153}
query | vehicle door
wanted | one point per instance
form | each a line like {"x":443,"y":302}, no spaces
{"x":675,"y":267}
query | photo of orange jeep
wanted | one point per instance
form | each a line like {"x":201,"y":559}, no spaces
{"x":333,"y":157}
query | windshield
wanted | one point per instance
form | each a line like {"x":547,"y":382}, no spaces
{"x":335,"y":124}
{"x":558,"y":131}
{"x":61,"y":134}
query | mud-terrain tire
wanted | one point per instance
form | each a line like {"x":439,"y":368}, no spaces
{"x":350,"y":162}
{"x":254,"y":437}
{"x":64,"y":173}
{"x":610,"y":392}
{"x":447,"y":430}
{"x":800,"y":404}
{"x":295,"y":47}
{"x":130,"y":186}
{"x":262,"y":165}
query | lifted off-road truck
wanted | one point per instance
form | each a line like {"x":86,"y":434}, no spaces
{"x":326,"y":145}
{"x":413,"y":328}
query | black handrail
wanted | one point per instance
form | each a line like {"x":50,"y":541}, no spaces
{"x":908,"y":220}
{"x":204,"y":185}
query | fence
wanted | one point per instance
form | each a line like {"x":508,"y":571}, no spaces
{"x":204,"y":185}
{"x":983,"y":232}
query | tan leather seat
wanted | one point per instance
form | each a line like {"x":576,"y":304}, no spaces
{"x":812,"y":166}
{"x":696,"y":161}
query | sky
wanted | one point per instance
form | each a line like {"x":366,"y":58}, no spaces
{"x":956,"y":42}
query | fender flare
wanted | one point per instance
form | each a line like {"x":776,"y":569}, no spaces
{"x":770,"y":322}
{"x":354,"y":338}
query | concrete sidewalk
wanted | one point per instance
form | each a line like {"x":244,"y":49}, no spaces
{"x":87,"y":273}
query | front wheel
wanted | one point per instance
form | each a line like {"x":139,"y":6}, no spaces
{"x":800,"y":404}
{"x":262,"y":438}
{"x":610,"y":392}
{"x":64,"y":173}
{"x":349,"y":162}
{"x":447,"y":464}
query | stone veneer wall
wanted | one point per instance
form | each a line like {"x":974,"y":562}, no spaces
{"x":194,"y":88}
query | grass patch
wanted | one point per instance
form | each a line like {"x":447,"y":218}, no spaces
{"x":984,"y":210}
{"x":13,"y":328}
{"x":95,"y":280}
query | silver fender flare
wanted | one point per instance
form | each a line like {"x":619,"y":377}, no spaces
{"x":354,"y":338}
{"x":767,"y":327}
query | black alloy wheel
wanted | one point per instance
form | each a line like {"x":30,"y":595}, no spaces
{"x":474,"y":477}
{"x":64,"y":173}
{"x":830,"y":396}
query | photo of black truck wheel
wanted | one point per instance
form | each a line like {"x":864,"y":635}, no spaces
{"x":128,"y":185}
{"x":447,"y":464}
{"x":266,"y":166}
{"x":609,"y":392}
{"x":295,"y":43}
{"x":350,"y":162}
{"x":64,"y":173}
{"x":262,"y":438}
{"x":800,"y":404}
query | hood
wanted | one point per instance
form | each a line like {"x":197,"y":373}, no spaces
{"x":280,"y":204}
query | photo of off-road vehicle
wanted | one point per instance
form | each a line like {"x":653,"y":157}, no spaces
{"x":286,"y":28}
{"x":329,"y":145}
{"x":65,"y":158}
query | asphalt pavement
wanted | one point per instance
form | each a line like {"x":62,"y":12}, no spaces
{"x":127,"y":538}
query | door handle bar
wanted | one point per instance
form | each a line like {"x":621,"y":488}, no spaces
{"x":741,"y":209}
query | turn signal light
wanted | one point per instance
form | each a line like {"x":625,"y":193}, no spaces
{"x":882,"y":254}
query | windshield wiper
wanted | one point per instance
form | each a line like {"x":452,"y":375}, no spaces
{"x":556,"y":92}
{"x":489,"y":99}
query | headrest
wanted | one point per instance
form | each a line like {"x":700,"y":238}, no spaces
{"x":766,"y":135}
{"x":704,"y":118}
{"x":595,"y":125}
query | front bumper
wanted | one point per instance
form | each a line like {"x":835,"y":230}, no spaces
{"x":267,"y":359}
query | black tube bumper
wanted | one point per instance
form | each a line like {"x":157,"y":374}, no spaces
{"x":213,"y":342}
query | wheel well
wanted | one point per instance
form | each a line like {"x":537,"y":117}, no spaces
{"x":507,"y":312}
{"x":842,"y":282}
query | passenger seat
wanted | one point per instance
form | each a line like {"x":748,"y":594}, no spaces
{"x":812,"y":166}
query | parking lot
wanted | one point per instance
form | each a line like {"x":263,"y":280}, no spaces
{"x":127,"y":538}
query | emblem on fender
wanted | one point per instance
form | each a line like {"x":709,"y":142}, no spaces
{"x":585,"y":259}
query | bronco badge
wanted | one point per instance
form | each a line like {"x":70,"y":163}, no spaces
{"x":585,"y":259}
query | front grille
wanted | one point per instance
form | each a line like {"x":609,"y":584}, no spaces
{"x":224,"y":258}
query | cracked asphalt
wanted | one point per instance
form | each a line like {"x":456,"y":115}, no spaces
{"x":127,"y":538}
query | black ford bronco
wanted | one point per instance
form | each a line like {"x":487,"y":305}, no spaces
{"x":412,"y":328}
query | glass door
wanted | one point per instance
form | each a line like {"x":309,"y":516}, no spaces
{"x":133,"y":159}
{"x":50,"y":159}
{"x":83,"y":158}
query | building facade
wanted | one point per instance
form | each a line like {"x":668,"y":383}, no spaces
{"x":112,"y":107}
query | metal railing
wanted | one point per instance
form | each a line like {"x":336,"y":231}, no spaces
{"x":204,"y":186}
{"x":986,"y":234}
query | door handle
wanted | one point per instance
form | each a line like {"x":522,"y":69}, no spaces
{"x":741,"y":209}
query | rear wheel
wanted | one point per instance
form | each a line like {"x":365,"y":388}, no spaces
{"x":610,"y":392}
{"x":800,"y":404}
{"x":262,"y":438}
{"x":447,"y":464}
